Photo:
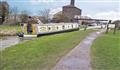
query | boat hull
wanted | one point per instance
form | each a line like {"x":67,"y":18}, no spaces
{"x":47,"y":33}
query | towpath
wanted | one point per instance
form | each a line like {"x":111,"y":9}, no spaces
{"x":79,"y":57}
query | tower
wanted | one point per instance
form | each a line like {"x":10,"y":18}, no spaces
{"x":72,"y":2}
{"x":70,"y":11}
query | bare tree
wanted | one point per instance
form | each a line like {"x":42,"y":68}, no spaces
{"x":24,"y":16}
{"x":60,"y":17}
{"x":13,"y":12}
{"x":45,"y":15}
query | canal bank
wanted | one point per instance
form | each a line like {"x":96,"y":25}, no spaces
{"x":8,"y":35}
{"x":8,"y":41}
{"x":9,"y":30}
{"x":41,"y":53}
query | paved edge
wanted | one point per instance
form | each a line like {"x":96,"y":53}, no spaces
{"x":79,"y":57}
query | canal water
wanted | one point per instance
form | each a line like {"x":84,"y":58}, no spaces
{"x":10,"y":40}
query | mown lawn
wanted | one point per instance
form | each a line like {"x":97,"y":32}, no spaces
{"x":106,"y":52}
{"x":42,"y":53}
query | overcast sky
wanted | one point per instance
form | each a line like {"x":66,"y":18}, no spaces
{"x":104,"y":9}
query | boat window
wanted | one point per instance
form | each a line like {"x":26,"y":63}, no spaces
{"x":49,"y":28}
{"x":63,"y":27}
{"x":57,"y":27}
{"x":76,"y":26}
{"x":72,"y":26}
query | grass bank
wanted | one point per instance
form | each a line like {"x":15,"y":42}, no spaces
{"x":9,"y":30}
{"x":106,"y":52}
{"x":42,"y":53}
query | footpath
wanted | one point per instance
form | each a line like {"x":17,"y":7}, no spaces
{"x":79,"y":57}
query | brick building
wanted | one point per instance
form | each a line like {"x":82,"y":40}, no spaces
{"x":70,"y":11}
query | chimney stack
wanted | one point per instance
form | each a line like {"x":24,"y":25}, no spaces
{"x":72,"y":2}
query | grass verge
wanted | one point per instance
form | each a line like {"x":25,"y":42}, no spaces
{"x":42,"y":53}
{"x":106,"y":52}
{"x":9,"y":30}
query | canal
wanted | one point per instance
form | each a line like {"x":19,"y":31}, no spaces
{"x":8,"y":41}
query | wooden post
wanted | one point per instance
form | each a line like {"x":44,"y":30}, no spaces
{"x":108,"y":26}
{"x":115,"y":28}
{"x":85,"y":28}
{"x":101,"y":25}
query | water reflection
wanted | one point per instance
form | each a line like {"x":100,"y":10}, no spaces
{"x":11,"y":40}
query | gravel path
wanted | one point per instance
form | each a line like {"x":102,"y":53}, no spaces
{"x":79,"y":57}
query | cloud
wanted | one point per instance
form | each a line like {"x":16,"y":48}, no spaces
{"x":98,"y":1}
{"x":35,"y":2}
{"x":87,"y":1}
{"x":113,"y":15}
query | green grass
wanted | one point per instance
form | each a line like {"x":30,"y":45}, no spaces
{"x":1,"y":37}
{"x":8,"y":27}
{"x":42,"y":53}
{"x":8,"y":30}
{"x":106,"y":52}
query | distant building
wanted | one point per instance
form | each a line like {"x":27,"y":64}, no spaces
{"x":11,"y":19}
{"x":84,"y":21}
{"x":70,"y":11}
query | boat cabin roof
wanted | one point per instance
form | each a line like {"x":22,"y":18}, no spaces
{"x":58,"y":24}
